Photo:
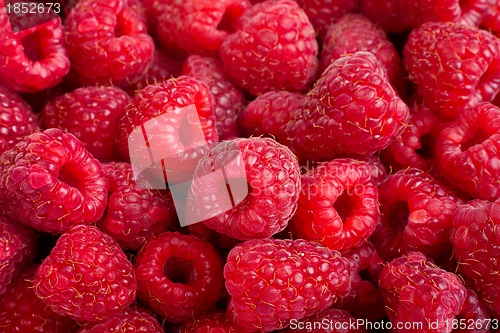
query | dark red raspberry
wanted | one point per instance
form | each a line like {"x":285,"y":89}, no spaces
{"x":215,"y":238}
{"x":193,"y":26}
{"x":404,"y":15}
{"x":211,"y":322}
{"x":51,"y":182}
{"x":90,"y":114}
{"x":228,"y":99}
{"x":179,"y":275}
{"x":269,"y":114}
{"x":86,"y":276}
{"x":17,"y":248}
{"x":108,"y":42}
{"x":32,"y":59}
{"x":453,"y":65}
{"x":327,"y":321}
{"x":135,"y":213}
{"x":274,"y":48}
{"x":475,"y":247}
{"x":352,"y":110}
{"x":416,"y":213}
{"x":16,"y":119}
{"x":130,"y":321}
{"x":22,"y":311}
{"x":417,"y":291}
{"x":338,"y":204}
{"x":467,"y":151}
{"x":274,"y":281}
{"x":267,"y":168}
{"x":414,"y":147}
{"x":474,"y":314}
{"x":353,"y":33}
{"x":160,"y":115}
{"x":322,"y":13}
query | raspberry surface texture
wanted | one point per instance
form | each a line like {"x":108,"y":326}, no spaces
{"x":208,"y":322}
{"x":179,"y":275}
{"x":51,"y":182}
{"x":130,"y":320}
{"x":327,"y":321}
{"x":273,"y":48}
{"x":351,"y":111}
{"x":90,"y":114}
{"x":338,"y":204}
{"x":273,"y":281}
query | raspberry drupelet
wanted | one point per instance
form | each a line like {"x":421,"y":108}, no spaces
{"x":130,"y":320}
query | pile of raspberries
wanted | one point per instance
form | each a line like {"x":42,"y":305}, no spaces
{"x":363,"y":134}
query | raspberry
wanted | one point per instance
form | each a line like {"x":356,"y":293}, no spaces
{"x":352,"y":110}
{"x":51,"y":182}
{"x":475,"y":245}
{"x":108,"y":42}
{"x":128,"y":321}
{"x":467,"y":151}
{"x":327,"y":321}
{"x":273,"y":177}
{"x":207,"y":322}
{"x":273,"y":281}
{"x":178,"y":139}
{"x":453,"y":65}
{"x":491,"y":17}
{"x":269,"y":114}
{"x":229,"y":100}
{"x":416,"y":290}
{"x":86,"y":276}
{"x":17,"y":248}
{"x":134,"y":214}
{"x":338,"y":204}
{"x":179,"y":275}
{"x":194,"y":26}
{"x":16,"y":119}
{"x":22,"y":311}
{"x":90,"y":114}
{"x":416,"y":213}
{"x":404,"y":15}
{"x":322,"y":13}
{"x":353,"y":33}
{"x":474,"y":312}
{"x":32,"y":59}
{"x":283,"y":48}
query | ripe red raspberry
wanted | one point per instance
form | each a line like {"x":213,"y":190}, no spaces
{"x":269,"y":114}
{"x":130,"y":321}
{"x":475,"y":314}
{"x":193,"y":26}
{"x":16,"y":119}
{"x":86,"y":276}
{"x":273,"y":179}
{"x":32,"y":59}
{"x":17,"y":248}
{"x":274,"y":48}
{"x":467,"y":151}
{"x":352,"y":110}
{"x":491,"y":17}
{"x":90,"y":114}
{"x":404,"y":15}
{"x":417,"y":291}
{"x":327,"y":321}
{"x":179,"y":275}
{"x":416,"y":213}
{"x":51,"y":182}
{"x":22,"y":311}
{"x":108,"y":42}
{"x":475,"y":247}
{"x":353,"y":33}
{"x":164,"y":108}
{"x":134,"y":213}
{"x":453,"y":65}
{"x":207,"y":322}
{"x":274,"y":281}
{"x":322,"y":13}
{"x":338,"y":204}
{"x":228,"y":99}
